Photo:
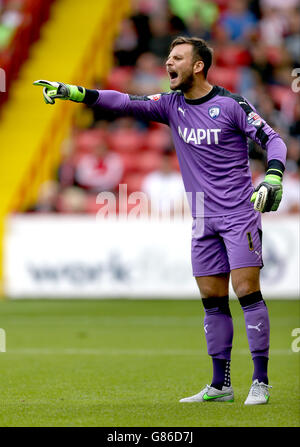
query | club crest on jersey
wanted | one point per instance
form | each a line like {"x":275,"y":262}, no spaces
{"x":254,"y":119}
{"x":154,"y":97}
{"x":214,"y":112}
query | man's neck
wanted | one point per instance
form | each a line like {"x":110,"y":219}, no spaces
{"x":199,"y":90}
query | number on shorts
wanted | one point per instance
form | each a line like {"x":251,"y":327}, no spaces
{"x":250,"y":241}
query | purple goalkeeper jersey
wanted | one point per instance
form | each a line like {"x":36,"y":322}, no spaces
{"x":210,"y":138}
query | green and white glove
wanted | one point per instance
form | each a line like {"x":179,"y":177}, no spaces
{"x":53,"y":90}
{"x":267,"y":196}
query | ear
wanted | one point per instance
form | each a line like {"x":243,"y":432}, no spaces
{"x":198,"y":67}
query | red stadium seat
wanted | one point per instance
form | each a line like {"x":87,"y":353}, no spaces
{"x":280,"y":94}
{"x":232,"y":56}
{"x":133,"y":181}
{"x":227,"y":77}
{"x":130,"y":161}
{"x":126,"y":140}
{"x":87,"y":139}
{"x":148,"y":161}
{"x":158,"y":139}
{"x":91,"y":206}
{"x":119,"y":78}
{"x":275,"y":55}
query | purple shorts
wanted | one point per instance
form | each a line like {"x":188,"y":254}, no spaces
{"x":221,"y":244}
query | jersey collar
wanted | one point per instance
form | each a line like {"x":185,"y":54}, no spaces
{"x":214,"y":91}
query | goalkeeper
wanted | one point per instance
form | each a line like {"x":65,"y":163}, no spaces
{"x":210,"y":127}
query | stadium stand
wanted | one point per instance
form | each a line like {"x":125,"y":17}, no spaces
{"x":249,"y":59}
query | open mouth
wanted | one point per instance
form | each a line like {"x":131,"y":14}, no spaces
{"x":173,"y":74}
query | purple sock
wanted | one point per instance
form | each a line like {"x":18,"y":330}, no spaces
{"x":218,"y":329}
{"x":261,"y":369}
{"x":221,"y":373}
{"x":258,"y":333}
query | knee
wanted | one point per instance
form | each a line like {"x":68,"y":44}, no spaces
{"x":212,"y":292}
{"x":245,"y":281}
{"x":245,"y":287}
{"x":213,"y":286}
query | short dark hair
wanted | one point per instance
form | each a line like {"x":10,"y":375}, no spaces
{"x":200,"y":50}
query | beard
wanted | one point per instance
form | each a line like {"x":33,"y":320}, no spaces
{"x":187,"y":82}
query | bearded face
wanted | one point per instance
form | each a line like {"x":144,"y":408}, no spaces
{"x":180,"y":67}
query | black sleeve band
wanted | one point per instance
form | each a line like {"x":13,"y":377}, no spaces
{"x":91,"y":97}
{"x":262,"y":136}
{"x":138,"y":98}
{"x":275,"y":165}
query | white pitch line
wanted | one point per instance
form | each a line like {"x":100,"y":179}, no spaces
{"x":137,"y":352}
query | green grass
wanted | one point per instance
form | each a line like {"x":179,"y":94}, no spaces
{"x":116,"y":363}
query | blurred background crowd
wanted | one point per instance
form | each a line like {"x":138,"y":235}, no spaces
{"x":256,"y":47}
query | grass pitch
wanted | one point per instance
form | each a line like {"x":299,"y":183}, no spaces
{"x":115,"y":363}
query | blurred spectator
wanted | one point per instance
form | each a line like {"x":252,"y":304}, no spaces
{"x":147,"y":77}
{"x":273,"y":27}
{"x":268,"y":110}
{"x":161,"y":36}
{"x":292,"y":40}
{"x":10,"y":18}
{"x":238,"y":21}
{"x":100,"y":170}
{"x":47,"y":197}
{"x":164,"y":27}
{"x":164,"y":187}
{"x":279,"y":4}
{"x":295,"y":125}
{"x":255,"y":7}
{"x":260,"y":62}
{"x":141,"y":19}
{"x":126,"y":44}
{"x":293,"y":154}
{"x":72,"y":200}
{"x":199,"y":16}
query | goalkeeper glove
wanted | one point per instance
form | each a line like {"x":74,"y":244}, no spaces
{"x":268,"y":194}
{"x":53,"y":90}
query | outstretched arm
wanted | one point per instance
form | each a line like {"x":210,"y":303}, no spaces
{"x":148,"y":108}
